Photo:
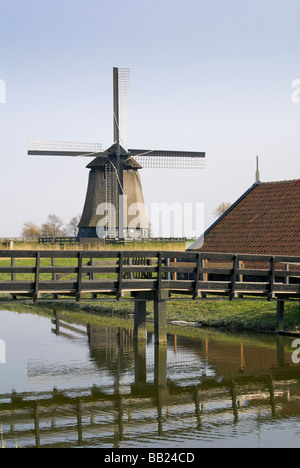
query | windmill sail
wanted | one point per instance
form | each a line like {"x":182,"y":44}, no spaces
{"x":168,"y":159}
{"x":121,"y":78}
{"x":63,"y":148}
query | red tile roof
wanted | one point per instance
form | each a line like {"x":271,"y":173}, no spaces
{"x":265,"y":220}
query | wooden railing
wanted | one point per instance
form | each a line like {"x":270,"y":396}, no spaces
{"x":84,"y":273}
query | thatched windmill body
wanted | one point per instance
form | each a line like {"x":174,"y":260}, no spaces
{"x":114,"y":205}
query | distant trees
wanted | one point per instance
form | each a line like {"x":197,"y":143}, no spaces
{"x":221,"y":209}
{"x":31,"y":231}
{"x":52,"y":227}
{"x":72,"y":226}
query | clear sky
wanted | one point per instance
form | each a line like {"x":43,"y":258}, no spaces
{"x":206,"y":75}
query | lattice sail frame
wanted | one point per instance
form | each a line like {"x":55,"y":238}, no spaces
{"x":162,"y":159}
{"x":170,"y":162}
{"x":124,"y":92}
{"x":63,"y":146}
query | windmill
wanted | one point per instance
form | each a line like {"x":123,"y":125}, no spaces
{"x":114,"y":185}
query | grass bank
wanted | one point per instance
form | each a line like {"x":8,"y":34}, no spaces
{"x":236,"y":316}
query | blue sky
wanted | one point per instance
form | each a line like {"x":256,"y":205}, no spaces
{"x":206,"y":75}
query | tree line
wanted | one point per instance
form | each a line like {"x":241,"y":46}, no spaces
{"x":52,"y":227}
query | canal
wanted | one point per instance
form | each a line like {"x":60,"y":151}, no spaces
{"x":71,"y":383}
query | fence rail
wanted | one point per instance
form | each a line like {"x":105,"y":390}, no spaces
{"x":112,"y":241}
{"x":82,"y":274}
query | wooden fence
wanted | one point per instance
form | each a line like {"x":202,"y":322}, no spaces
{"x":86,"y":274}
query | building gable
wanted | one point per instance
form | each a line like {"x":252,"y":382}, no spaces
{"x":265,"y":220}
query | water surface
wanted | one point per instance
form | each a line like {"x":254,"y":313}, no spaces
{"x":67,"y":383}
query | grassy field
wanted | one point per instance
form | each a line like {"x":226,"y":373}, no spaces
{"x":153,"y":245}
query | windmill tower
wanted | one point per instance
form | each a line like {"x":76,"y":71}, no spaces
{"x":114,"y":205}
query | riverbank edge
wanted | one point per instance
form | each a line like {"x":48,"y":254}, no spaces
{"x":221,"y":323}
{"x":233,"y":317}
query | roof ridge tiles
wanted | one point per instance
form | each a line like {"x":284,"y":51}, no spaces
{"x":280,"y":182}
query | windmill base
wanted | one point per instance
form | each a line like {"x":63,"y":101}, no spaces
{"x":91,"y":233}
{"x":87,"y":233}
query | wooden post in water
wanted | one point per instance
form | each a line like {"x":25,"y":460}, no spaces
{"x":160,"y":306}
{"x":140,"y":367}
{"x":280,"y":315}
{"x":160,"y":321}
{"x":140,"y":320}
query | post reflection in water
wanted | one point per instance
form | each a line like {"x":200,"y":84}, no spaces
{"x":192,"y":392}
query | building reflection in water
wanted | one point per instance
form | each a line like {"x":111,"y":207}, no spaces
{"x":156,"y":390}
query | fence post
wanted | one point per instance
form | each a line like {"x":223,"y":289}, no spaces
{"x":120,"y":275}
{"x":159,"y":273}
{"x":37,"y":276}
{"x":91,"y":274}
{"x":198,"y":269}
{"x":204,"y":276}
{"x":233,"y":278}
{"x":168,"y":264}
{"x":54,"y":275}
{"x":240,"y":277}
{"x":240,"y":267}
{"x":271,"y":279}
{"x":13,"y":276}
{"x":79,"y":277}
{"x":287,"y":278}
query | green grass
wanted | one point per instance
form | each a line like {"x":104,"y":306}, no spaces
{"x":255,"y":316}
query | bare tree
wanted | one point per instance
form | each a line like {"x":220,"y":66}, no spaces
{"x":53,"y":227}
{"x":31,"y":231}
{"x":221,"y":209}
{"x":72,"y":226}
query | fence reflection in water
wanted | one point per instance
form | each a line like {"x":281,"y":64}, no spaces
{"x":175,"y":390}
